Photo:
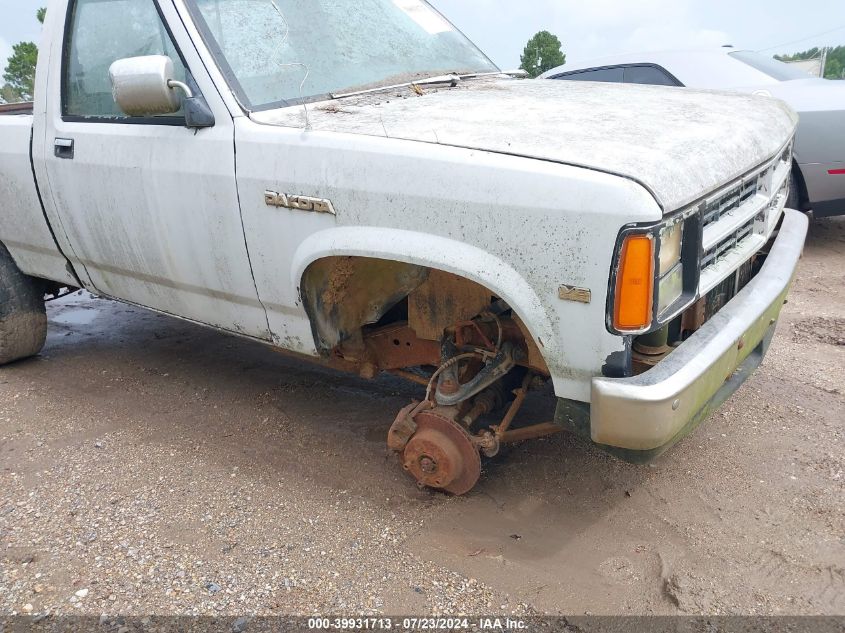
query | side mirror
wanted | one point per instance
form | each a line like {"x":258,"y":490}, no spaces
{"x":144,"y":86}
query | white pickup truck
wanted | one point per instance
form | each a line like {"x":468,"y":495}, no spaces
{"x":356,"y":183}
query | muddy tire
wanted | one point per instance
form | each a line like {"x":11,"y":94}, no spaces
{"x":23,"y":318}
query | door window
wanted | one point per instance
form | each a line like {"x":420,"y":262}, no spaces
{"x":649,"y":75}
{"x":607,"y":75}
{"x":101,"y":32}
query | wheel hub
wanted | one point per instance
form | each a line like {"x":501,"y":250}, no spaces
{"x":441,"y":454}
{"x":428,"y":465}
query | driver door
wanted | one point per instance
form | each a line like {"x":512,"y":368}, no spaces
{"x":149,"y":208}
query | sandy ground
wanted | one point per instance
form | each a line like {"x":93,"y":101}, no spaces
{"x":149,"y":466}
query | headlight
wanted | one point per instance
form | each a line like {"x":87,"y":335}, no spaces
{"x":653,"y":274}
{"x":671,"y":238}
{"x":670,"y":284}
{"x":670,"y":288}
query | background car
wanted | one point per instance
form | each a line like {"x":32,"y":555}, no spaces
{"x":819,"y":165}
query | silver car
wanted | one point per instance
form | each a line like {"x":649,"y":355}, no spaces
{"x":819,"y":167}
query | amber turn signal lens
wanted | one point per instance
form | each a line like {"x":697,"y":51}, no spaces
{"x":635,"y":284}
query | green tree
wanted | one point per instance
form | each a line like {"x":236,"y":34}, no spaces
{"x":835,"y":66}
{"x":9,"y":94}
{"x":20,"y":69}
{"x":542,"y":53}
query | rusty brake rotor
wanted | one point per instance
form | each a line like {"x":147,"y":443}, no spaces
{"x":441,"y":454}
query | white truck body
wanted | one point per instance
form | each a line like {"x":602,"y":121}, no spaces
{"x":522,"y":187}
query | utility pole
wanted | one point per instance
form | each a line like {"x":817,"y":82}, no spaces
{"x":823,"y":62}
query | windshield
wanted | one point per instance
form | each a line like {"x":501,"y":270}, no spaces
{"x":770,"y":66}
{"x":281,"y":52}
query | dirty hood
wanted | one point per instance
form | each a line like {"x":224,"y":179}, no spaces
{"x":678,"y":143}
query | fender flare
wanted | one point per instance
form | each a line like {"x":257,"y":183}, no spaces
{"x":437,"y":252}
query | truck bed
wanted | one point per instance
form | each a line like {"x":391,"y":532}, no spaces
{"x":16,"y":108}
{"x":23,"y":227}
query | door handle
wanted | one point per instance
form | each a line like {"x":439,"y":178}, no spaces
{"x":63,"y":148}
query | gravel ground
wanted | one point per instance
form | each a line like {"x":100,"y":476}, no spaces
{"x":150,"y":466}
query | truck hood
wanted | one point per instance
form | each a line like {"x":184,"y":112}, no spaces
{"x":678,"y":143}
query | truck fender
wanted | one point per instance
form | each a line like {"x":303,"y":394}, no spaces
{"x":432,"y":251}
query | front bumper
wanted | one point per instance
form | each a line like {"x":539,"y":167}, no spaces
{"x":648,"y":413}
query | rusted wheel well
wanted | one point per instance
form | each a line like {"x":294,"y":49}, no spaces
{"x":381,"y":314}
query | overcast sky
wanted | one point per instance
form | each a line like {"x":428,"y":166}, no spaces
{"x":590,"y":28}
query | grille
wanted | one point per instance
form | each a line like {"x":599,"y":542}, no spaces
{"x":738,"y":220}
{"x":732,"y":241}
{"x":730,"y":201}
{"x":727,"y":289}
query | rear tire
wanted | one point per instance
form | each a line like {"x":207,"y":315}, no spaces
{"x":23,"y":317}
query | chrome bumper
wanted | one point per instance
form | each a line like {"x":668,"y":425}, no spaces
{"x":651,"y":411}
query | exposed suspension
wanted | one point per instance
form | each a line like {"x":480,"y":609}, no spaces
{"x":437,"y":439}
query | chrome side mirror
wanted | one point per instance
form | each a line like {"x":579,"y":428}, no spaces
{"x":144,"y":86}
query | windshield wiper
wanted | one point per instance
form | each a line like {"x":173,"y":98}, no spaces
{"x":453,"y":79}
